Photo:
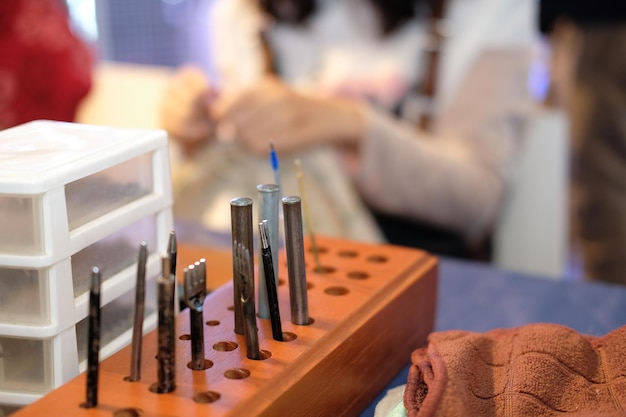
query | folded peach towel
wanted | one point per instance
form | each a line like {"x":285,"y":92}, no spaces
{"x":533,"y":370}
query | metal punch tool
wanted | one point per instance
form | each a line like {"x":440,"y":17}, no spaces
{"x":195,"y":293}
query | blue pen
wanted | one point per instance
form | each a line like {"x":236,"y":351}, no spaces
{"x":274,"y":164}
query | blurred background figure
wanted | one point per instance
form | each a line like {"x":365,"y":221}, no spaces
{"x":45,"y":69}
{"x":426,"y":101}
{"x":588,"y":40}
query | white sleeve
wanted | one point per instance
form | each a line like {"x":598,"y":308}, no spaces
{"x":455,"y":179}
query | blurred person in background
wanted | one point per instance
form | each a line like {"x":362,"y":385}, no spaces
{"x":425,"y":100}
{"x":45,"y":69}
{"x":588,"y":40}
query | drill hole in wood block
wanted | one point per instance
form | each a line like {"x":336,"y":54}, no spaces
{"x":377,"y":259}
{"x":207,"y":364}
{"x":226,"y":346}
{"x":289,"y":337}
{"x":323,"y":269}
{"x":358,"y":275}
{"x":237,"y":373}
{"x":128,"y":412}
{"x":336,"y":291}
{"x":320,"y":250}
{"x":206,"y":397}
{"x":158,"y":389}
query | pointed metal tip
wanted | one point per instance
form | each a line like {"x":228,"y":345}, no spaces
{"x":143,"y":252}
{"x":95,"y":280}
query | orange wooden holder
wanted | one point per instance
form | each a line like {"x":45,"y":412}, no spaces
{"x":372,"y":305}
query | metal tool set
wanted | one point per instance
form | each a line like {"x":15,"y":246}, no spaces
{"x":334,"y":354}
{"x":289,"y":336}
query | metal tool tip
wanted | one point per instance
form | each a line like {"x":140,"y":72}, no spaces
{"x":290,"y":200}
{"x":263,"y":232}
{"x":171,"y":243}
{"x":95,"y":280}
{"x":143,"y":252}
{"x":241,"y":202}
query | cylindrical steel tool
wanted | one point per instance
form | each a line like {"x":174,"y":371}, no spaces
{"x":166,"y":341}
{"x":269,"y":195}
{"x":140,"y":301}
{"x":270,"y":281}
{"x":296,"y":268}
{"x":241,"y":224}
{"x":93,"y":352}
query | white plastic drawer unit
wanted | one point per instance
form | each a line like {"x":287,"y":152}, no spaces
{"x":24,"y":295}
{"x":25,"y":364}
{"x":72,"y":197}
{"x":64,"y":186}
{"x":113,"y":253}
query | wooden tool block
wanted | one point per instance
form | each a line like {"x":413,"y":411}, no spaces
{"x":372,"y":305}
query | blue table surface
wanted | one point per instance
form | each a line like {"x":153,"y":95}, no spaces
{"x":478,"y":297}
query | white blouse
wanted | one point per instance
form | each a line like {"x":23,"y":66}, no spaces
{"x":454,"y":177}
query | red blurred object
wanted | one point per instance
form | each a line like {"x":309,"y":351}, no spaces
{"x":45,"y":69}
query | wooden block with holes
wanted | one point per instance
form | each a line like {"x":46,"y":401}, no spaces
{"x":371,"y":306}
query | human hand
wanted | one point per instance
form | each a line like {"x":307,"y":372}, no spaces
{"x":271,"y":111}
{"x":185,"y":108}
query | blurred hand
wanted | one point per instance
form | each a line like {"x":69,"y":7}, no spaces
{"x":271,"y":111}
{"x":185,"y":108}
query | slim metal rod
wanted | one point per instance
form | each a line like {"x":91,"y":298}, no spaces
{"x":251,"y":331}
{"x":269,"y":195}
{"x":195,"y":292}
{"x":241,"y":224}
{"x":140,"y":301}
{"x":270,"y":281}
{"x":172,"y":251}
{"x":166,"y":317}
{"x":242,"y":258}
{"x":197,"y":340}
{"x":202,"y":269}
{"x":296,"y":267}
{"x":93,"y":353}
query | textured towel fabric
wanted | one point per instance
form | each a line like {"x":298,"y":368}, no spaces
{"x":533,"y":370}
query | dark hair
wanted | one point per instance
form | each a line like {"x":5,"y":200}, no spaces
{"x":584,"y":13}
{"x":393,"y":13}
